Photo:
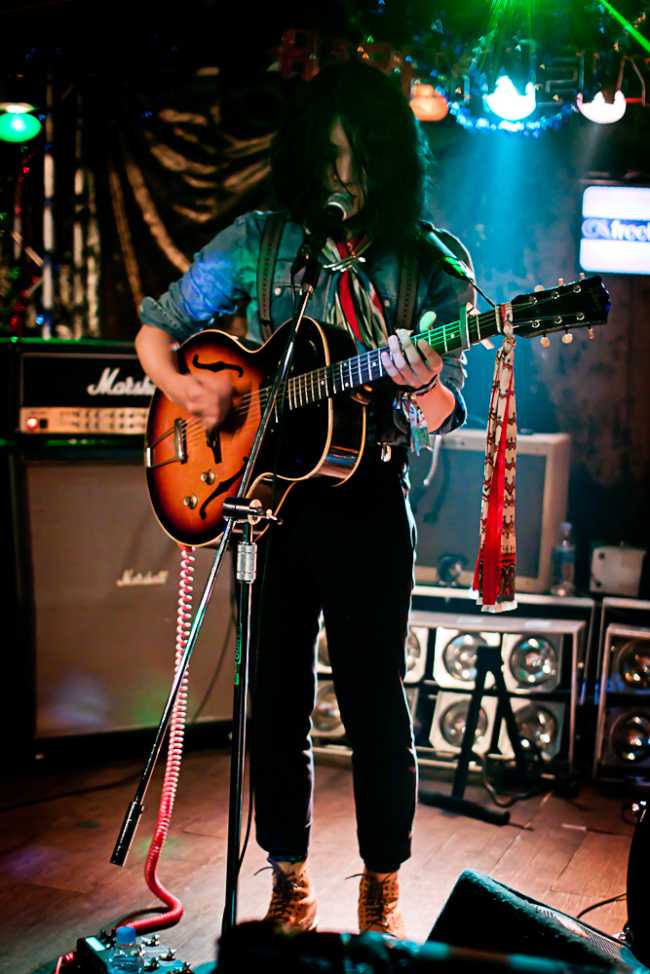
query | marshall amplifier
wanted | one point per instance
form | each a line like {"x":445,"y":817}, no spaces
{"x":74,"y":387}
{"x":90,"y":588}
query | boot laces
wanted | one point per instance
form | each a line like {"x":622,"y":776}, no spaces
{"x":288,"y":890}
{"x":376,"y":902}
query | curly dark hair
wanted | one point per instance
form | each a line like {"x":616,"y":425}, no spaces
{"x":386,"y":146}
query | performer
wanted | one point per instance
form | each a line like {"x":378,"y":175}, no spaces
{"x":347,"y":551}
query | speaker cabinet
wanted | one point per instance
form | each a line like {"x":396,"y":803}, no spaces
{"x":623,"y":730}
{"x":104,"y":581}
{"x":542,"y":659}
{"x":447,"y":511}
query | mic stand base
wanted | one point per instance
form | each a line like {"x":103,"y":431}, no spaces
{"x":488,"y":660}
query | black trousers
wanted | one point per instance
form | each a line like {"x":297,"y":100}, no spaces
{"x":349,"y":551}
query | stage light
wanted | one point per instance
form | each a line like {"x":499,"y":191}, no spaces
{"x":428,"y":105}
{"x":17,"y":124}
{"x":602,"y":111}
{"x":538,"y":727}
{"x":506,"y":102}
{"x":322,"y":651}
{"x":454,"y":721}
{"x":413,"y":651}
{"x":634,"y":664}
{"x":326,"y":716}
{"x":533,"y":661}
{"x":630,"y":737}
{"x":459,"y":656}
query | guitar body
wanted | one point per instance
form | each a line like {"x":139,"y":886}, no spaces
{"x":322,"y":431}
{"x":190,"y":473}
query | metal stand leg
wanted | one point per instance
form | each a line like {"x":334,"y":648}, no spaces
{"x":246,"y":572}
{"x":488,"y":660}
{"x":249,"y":512}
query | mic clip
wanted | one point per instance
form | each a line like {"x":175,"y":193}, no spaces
{"x":345,"y":263}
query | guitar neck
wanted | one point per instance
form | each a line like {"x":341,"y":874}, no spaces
{"x":362,"y":369}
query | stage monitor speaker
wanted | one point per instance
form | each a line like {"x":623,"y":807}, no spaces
{"x":448,"y":511}
{"x":482,"y":914}
{"x":105,"y":591}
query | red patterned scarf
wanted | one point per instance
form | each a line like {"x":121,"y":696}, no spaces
{"x":355,"y":304}
{"x":494,"y":577}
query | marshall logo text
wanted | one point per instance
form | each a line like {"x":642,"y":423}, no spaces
{"x":129,"y":577}
{"x":108,"y":386}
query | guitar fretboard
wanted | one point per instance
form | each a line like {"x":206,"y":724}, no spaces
{"x":362,"y":369}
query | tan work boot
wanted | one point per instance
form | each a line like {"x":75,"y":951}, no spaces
{"x":293,"y":902}
{"x":379,"y":909}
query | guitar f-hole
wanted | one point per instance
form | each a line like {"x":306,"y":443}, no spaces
{"x":213,"y":440}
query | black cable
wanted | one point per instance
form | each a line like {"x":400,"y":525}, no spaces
{"x":498,"y":801}
{"x":628,"y":807}
{"x":249,"y":823}
{"x":594,"y":906}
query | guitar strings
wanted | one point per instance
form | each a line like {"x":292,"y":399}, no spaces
{"x":307,"y":382}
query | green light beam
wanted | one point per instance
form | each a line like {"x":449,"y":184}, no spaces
{"x":627,"y":25}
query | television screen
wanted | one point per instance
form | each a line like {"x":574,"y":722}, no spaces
{"x":616,"y":229}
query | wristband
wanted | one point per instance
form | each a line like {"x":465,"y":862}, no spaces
{"x":422,"y":391}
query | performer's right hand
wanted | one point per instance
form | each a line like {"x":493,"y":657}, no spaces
{"x":207,"y":397}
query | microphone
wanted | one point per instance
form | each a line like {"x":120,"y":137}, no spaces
{"x":453,"y":264}
{"x":338,"y":207}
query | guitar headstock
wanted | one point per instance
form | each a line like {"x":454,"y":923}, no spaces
{"x":581,"y":304}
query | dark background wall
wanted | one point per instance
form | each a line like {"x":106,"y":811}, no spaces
{"x":178,"y":110}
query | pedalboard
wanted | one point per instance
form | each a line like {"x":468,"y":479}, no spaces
{"x":92,"y":953}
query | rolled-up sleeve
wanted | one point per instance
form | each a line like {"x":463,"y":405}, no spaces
{"x":443,"y":298}
{"x":445,"y":295}
{"x":219,"y":278}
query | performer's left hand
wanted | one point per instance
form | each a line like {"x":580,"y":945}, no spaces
{"x":409,"y":364}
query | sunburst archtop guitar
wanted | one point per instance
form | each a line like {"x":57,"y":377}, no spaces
{"x":191,"y":471}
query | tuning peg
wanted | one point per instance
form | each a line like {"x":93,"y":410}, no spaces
{"x":582,"y":275}
{"x":545,"y":341}
{"x":560,"y":281}
{"x":567,"y":337}
{"x":591,"y":333}
{"x":538,"y":287}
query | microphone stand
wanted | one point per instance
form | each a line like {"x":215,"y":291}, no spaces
{"x":237,"y":508}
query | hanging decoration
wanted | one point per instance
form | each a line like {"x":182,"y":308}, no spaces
{"x":494,"y":65}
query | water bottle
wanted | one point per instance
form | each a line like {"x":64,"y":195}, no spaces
{"x":564,"y":564}
{"x":126,"y":956}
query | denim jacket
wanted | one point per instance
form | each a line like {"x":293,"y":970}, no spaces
{"x":224,"y":274}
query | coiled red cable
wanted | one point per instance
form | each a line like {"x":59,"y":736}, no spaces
{"x":174,"y":911}
{"x":66,"y":960}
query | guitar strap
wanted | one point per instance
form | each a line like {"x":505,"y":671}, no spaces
{"x":269,"y":246}
{"x":408,"y":287}
{"x":268,"y":255}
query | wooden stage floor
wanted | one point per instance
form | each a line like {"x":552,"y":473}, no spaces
{"x":56,"y":882}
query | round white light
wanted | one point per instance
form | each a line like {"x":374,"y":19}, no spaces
{"x":601,"y":111}
{"x":506,"y":102}
{"x":16,"y":107}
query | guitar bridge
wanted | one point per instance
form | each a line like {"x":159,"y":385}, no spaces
{"x":180,"y":446}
